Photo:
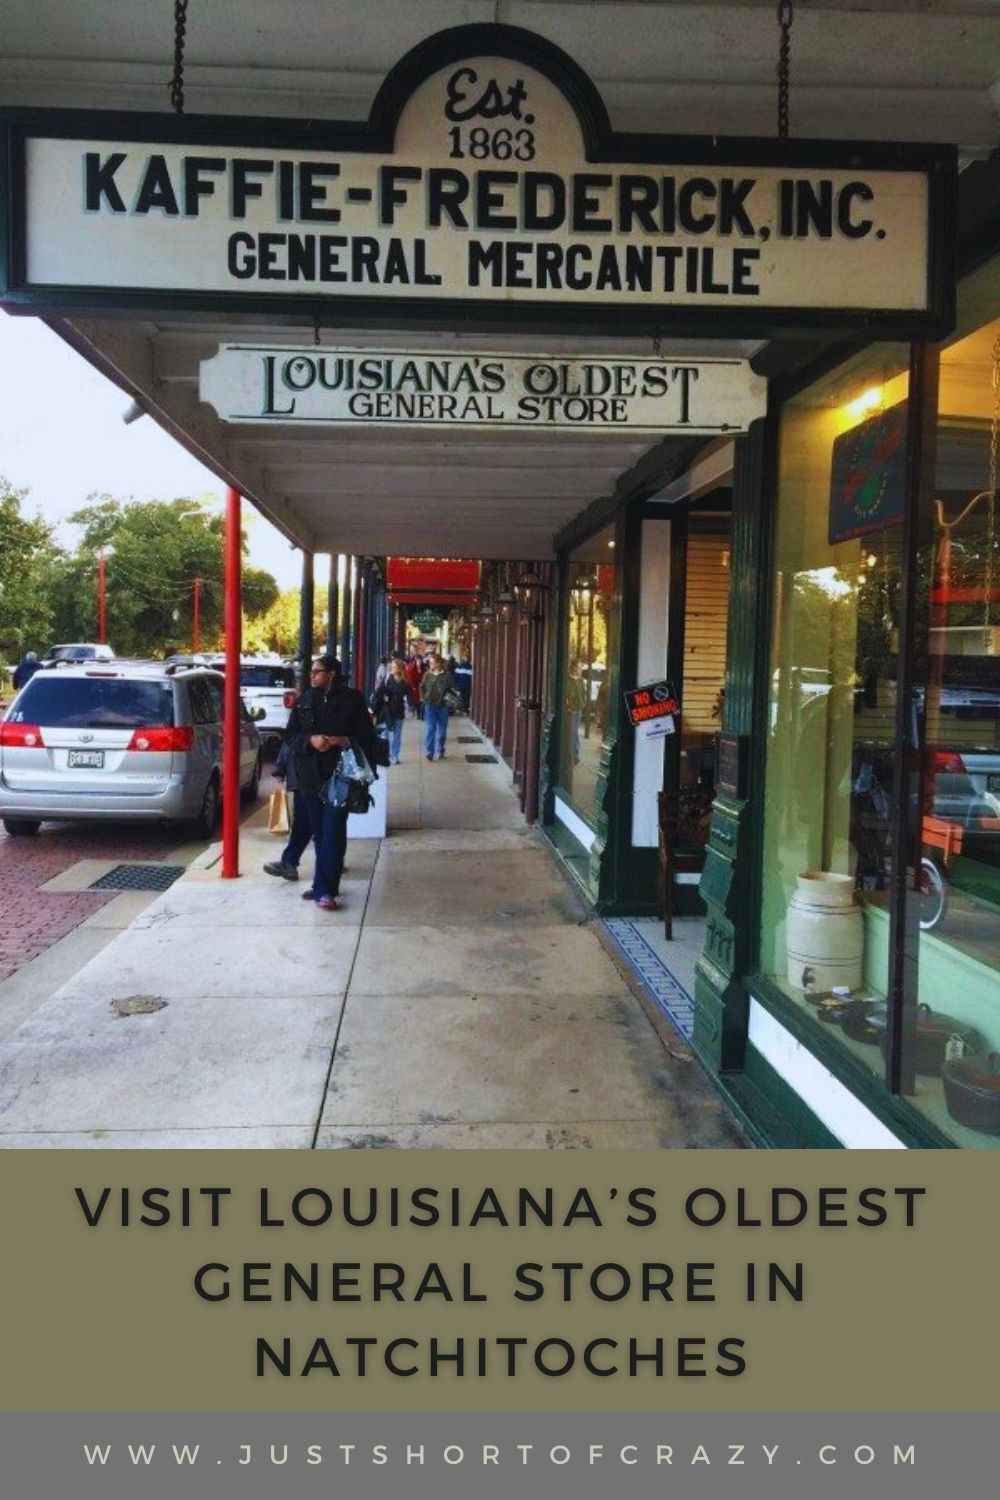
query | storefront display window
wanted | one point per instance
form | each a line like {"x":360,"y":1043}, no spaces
{"x":957,"y":713}
{"x":587,"y":678}
{"x":842,"y":753}
{"x":831,"y":759}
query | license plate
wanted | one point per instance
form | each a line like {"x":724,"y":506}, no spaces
{"x":93,"y":760}
{"x":993,"y":783}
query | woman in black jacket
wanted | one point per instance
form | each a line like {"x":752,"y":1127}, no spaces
{"x":323,"y":723}
{"x":389,"y":704}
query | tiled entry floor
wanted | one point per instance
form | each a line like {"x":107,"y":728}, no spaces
{"x":665,"y":967}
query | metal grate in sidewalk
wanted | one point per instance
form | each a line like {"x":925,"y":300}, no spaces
{"x":482,"y":760}
{"x":138,"y":878}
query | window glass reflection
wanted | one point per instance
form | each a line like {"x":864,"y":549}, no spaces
{"x":950,"y":1037}
{"x":587,"y":680}
{"x":832,"y":765}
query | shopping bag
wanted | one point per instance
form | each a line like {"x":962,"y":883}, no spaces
{"x":279,"y":818}
{"x":354,"y":765}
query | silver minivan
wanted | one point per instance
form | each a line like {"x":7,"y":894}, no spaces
{"x":119,"y":740}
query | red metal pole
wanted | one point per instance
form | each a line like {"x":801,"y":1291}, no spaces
{"x":231,"y":715}
{"x":102,"y":604}
{"x":195,"y":618}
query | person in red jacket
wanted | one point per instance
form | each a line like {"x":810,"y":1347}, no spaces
{"x":414,"y":677}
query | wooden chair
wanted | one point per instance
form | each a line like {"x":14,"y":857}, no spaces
{"x":684,"y":818}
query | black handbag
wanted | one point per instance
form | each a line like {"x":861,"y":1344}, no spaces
{"x":359,"y":798}
{"x":380,"y":751}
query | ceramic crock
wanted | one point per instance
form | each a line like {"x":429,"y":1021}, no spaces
{"x":824,"y":933}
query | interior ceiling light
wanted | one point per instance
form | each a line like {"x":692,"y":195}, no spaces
{"x":869,"y":401}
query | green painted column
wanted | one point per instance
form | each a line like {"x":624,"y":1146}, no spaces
{"x":730,"y":882}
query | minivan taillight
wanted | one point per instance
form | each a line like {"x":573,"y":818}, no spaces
{"x":949,"y":762}
{"x":180,"y":737}
{"x":28,"y":736}
{"x":288,"y":700}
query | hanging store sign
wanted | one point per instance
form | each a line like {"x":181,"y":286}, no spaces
{"x":486,"y":182}
{"x":427,"y":620}
{"x":316,"y":386}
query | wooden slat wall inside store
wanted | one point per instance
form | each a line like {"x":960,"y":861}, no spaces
{"x":706,"y":602}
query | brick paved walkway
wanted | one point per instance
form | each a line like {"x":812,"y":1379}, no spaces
{"x":33,"y":919}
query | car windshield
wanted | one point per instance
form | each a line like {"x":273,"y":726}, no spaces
{"x":267,"y":677}
{"x":72,"y":653}
{"x":94,"y":703}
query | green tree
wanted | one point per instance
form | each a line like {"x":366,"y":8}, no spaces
{"x":154,"y":551}
{"x":278,"y":628}
{"x":28,"y":562}
{"x":260,"y":592}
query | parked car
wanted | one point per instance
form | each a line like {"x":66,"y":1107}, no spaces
{"x":72,"y":651}
{"x":119,"y":740}
{"x":268,"y":689}
{"x":966,"y":765}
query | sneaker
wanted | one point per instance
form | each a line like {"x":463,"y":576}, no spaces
{"x":430,"y":757}
{"x":284,"y":872}
{"x":328,"y":903}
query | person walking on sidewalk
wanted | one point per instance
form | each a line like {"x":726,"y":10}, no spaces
{"x":437,"y":682}
{"x":414,"y":677}
{"x":324,"y":721}
{"x":463,"y":680}
{"x":389,"y":705}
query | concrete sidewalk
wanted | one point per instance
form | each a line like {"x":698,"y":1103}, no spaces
{"x":460,"y":998}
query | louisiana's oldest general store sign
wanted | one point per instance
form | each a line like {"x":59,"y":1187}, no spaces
{"x":323,"y":386}
{"x":485,"y":179}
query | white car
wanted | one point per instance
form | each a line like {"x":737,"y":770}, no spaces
{"x":77,"y":651}
{"x":268,"y":688}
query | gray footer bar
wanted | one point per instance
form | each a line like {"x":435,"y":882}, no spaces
{"x":146,"y":1456}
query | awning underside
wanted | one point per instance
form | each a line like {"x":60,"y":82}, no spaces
{"x":378,"y":490}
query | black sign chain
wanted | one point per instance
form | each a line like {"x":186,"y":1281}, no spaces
{"x":180,"y":30}
{"x":785,"y":19}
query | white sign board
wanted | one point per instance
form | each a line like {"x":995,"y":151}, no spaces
{"x":658,"y":729}
{"x":353,"y":387}
{"x":490,"y":193}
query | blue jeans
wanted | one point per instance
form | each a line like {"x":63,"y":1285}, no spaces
{"x":395,"y":738}
{"x":329,"y":833}
{"x":299,"y":834}
{"x":435,"y":728}
{"x":574,"y":734}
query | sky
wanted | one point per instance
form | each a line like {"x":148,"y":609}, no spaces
{"x":62,"y":438}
